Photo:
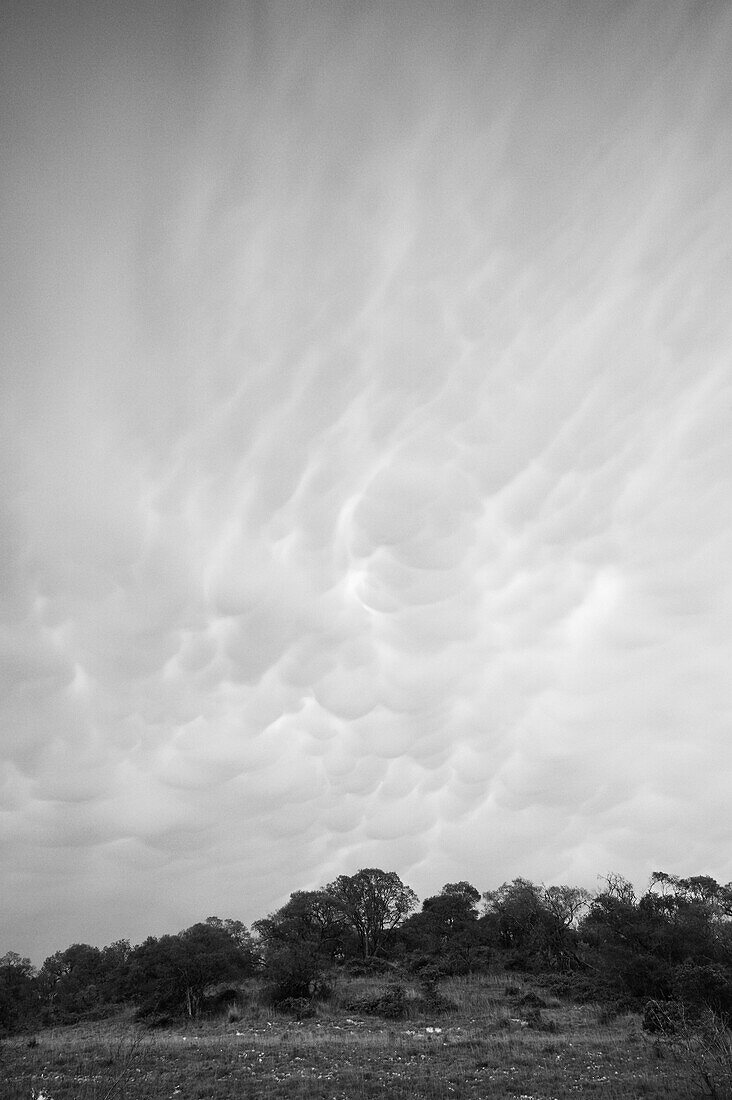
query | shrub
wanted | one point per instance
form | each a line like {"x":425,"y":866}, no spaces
{"x":221,"y":999}
{"x":705,"y":1043}
{"x":705,"y":985}
{"x":291,"y":972}
{"x":536,"y":1021}
{"x":391,"y":1004}
{"x":662,"y":1017}
{"x":431,"y":1001}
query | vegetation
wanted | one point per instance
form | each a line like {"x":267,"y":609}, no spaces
{"x":353,"y":991}
{"x":493,"y":1043}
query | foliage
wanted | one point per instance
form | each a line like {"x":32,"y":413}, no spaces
{"x":372,"y":903}
{"x":389,"y":1003}
{"x":704,"y":1044}
{"x":671,"y":945}
{"x":19,"y":996}
{"x":297,"y":943}
{"x":536,"y":923}
{"x":446,"y":935}
{"x":483,"y":1050}
{"x":309,"y":917}
{"x":431,"y":1000}
{"x":171,"y":974}
{"x":78,"y":982}
{"x":291,"y":971}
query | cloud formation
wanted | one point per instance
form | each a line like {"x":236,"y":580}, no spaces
{"x":366,"y":453}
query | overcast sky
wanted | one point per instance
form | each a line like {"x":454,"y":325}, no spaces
{"x":366,"y":492}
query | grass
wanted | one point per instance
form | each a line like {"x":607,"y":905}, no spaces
{"x":483,"y":1049}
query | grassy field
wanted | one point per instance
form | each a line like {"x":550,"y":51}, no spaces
{"x":492,"y":1044}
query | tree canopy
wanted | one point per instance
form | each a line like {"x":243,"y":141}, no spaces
{"x":373,"y":903}
{"x":671,"y":943}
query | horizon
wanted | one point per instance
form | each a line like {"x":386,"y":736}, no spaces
{"x":365,"y":460}
{"x":249,"y":924}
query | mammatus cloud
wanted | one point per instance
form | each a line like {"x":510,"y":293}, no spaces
{"x":366,"y":491}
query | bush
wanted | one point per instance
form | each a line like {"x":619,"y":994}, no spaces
{"x":291,"y":972}
{"x":223,"y":999}
{"x":172,"y":974}
{"x":705,"y":1044}
{"x":536,"y":1021}
{"x":704,"y":985}
{"x":391,"y":1004}
{"x":662,"y":1017}
{"x":581,"y":988}
{"x":431,"y":1001}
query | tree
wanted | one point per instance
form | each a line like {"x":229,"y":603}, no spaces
{"x":83,"y":981}
{"x":298,"y":941}
{"x":447,"y":933}
{"x":673,"y":943}
{"x":71,"y":982}
{"x":616,"y":886}
{"x":19,"y":1002}
{"x":700,"y":890}
{"x":373,"y":903}
{"x":536,"y":923}
{"x":171,"y":974}
{"x":617,"y":937}
{"x":114,"y":959}
{"x":310,"y":916}
{"x":237,"y":931}
{"x":566,"y":903}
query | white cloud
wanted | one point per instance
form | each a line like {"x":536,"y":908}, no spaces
{"x":367,"y":466}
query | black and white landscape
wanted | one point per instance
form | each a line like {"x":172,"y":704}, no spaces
{"x":365,"y":448}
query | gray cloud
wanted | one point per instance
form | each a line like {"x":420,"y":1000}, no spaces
{"x":365,"y":450}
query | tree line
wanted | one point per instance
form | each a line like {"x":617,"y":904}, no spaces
{"x":672,"y":945}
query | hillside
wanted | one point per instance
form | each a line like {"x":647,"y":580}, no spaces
{"x":498,"y":1037}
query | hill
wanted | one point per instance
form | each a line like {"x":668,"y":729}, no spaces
{"x":483,"y":1038}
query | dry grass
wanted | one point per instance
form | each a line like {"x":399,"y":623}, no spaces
{"x":483,"y":1050}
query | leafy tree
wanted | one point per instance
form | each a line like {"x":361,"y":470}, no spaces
{"x":292,"y":970}
{"x":699,"y":890}
{"x":615,"y":937}
{"x":447,"y":933}
{"x":71,"y":982}
{"x":298,"y":942}
{"x":171,"y":974}
{"x":536,"y":924}
{"x":237,"y":931}
{"x":672,"y":943}
{"x":83,"y":980}
{"x":373,"y":903}
{"x":113,"y":967}
{"x":514,"y":912}
{"x":19,"y":1001}
{"x":309,"y":916}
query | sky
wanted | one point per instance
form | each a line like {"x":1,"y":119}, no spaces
{"x":365,"y":452}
